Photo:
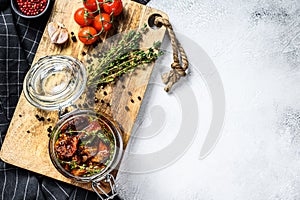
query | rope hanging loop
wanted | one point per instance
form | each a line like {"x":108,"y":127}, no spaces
{"x":180,"y":62}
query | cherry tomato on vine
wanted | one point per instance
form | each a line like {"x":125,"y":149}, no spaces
{"x":83,"y":17}
{"x":92,"y":4}
{"x":87,"y":35}
{"x":114,"y":6}
{"x":102,"y":21}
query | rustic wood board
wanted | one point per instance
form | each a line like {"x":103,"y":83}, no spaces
{"x":26,"y":142}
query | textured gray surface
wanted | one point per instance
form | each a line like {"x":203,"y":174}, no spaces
{"x":255,"y":46}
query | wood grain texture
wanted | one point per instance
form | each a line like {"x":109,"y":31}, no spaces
{"x":26,"y":142}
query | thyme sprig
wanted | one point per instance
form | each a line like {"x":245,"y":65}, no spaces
{"x":122,"y":58}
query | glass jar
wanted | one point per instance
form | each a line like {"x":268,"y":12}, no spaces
{"x":54,"y":82}
{"x":84,"y":146}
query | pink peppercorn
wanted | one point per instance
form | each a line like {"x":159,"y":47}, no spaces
{"x":32,"y":7}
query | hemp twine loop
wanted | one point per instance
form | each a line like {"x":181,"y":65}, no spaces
{"x":180,"y":61}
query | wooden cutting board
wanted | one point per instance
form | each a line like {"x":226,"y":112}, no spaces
{"x":26,"y":142}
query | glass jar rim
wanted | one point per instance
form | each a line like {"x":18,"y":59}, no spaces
{"x":54,"y":82}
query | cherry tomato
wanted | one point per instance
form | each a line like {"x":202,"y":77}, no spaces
{"x":115,"y":6}
{"x":102,"y":22}
{"x":87,"y":35}
{"x":83,"y":17}
{"x":92,"y":4}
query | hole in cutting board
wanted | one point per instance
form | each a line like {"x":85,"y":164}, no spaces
{"x":151,"y":21}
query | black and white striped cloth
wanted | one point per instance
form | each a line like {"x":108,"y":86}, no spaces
{"x":19,"y":39}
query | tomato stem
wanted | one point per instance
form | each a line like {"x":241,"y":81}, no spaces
{"x":99,"y":9}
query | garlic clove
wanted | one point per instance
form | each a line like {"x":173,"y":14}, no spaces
{"x":52,"y":27}
{"x":63,"y":36}
{"x":58,"y":33}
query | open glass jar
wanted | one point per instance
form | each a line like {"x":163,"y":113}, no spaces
{"x":84,"y":146}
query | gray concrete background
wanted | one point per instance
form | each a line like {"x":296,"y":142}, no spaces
{"x":255,"y":47}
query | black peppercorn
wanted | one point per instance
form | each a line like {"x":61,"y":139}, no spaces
{"x":74,"y":39}
{"x":126,"y":108}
